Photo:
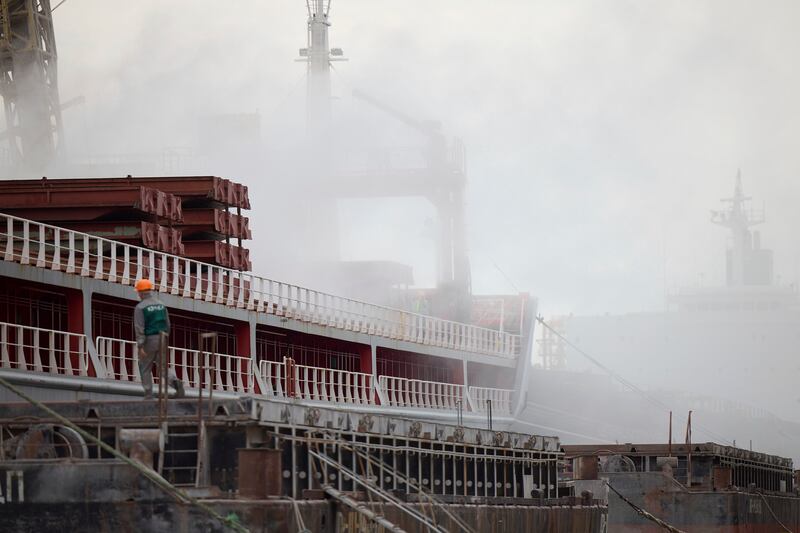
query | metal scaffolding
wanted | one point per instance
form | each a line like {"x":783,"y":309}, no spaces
{"x":29,"y":84}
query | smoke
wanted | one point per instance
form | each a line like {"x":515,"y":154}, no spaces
{"x":599,"y":135}
{"x":577,"y":118}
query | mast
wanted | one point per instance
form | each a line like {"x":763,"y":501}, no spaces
{"x":738,"y":218}
{"x":319,"y":56}
{"x":322,"y":214}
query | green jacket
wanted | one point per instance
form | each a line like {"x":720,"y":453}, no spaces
{"x":150,"y":317}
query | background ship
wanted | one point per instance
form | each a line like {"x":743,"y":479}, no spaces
{"x":728,"y":353}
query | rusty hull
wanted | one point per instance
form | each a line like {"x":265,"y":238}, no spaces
{"x":730,"y":511}
{"x":109,"y":496}
{"x":277,"y":516}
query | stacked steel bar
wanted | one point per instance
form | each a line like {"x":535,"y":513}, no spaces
{"x":53,"y":201}
{"x":207,"y":226}
{"x":219,"y":253}
{"x":156,"y":212}
{"x":149,"y":235}
{"x":195,"y":190}
{"x":214,"y":224}
{"x":121,"y":211}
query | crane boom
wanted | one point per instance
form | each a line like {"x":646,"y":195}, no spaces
{"x":428,"y":127}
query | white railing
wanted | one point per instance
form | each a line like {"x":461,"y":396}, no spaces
{"x":119,"y":358}
{"x":500,"y":398}
{"x":47,"y":246}
{"x":57,"y":352}
{"x":226,"y":373}
{"x":273,"y":377}
{"x":402,"y":392}
{"x":329,"y":385}
{"x":43,"y":350}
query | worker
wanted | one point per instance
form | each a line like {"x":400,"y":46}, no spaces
{"x":150,"y":320}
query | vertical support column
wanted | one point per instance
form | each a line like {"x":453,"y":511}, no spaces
{"x":459,"y":378}
{"x":368,"y":364}
{"x":95,"y":366}
{"x":524,"y":362}
{"x":458,"y":371}
{"x":75,"y":317}
{"x":79,"y":320}
{"x":76,"y":321}
{"x":245,"y":339}
{"x":246,"y":346}
{"x":469,"y":401}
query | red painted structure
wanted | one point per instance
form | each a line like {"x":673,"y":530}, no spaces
{"x":215,"y":221}
{"x":48,"y":307}
{"x":194,"y":189}
{"x":57,"y":203}
{"x":154,"y":212}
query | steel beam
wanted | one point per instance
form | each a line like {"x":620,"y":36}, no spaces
{"x":188,"y":188}
{"x":137,"y":197}
{"x":219,"y":253}
{"x":215,"y":222}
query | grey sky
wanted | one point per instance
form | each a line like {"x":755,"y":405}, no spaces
{"x":599,"y":134}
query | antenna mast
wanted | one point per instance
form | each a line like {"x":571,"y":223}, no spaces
{"x":739,"y":219}
{"x":319,"y":56}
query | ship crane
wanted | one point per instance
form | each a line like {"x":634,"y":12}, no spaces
{"x":441,"y":180}
{"x":29,"y":84}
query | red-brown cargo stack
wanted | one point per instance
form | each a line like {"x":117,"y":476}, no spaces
{"x":182,"y":215}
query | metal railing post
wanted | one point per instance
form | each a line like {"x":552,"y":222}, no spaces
{"x":163,"y":390}
{"x":213,"y":371}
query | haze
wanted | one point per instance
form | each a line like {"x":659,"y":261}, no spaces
{"x":598,"y":134}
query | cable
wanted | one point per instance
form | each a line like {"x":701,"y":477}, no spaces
{"x":630,"y":385}
{"x":341,"y":78}
{"x":571,"y":414}
{"x":508,"y":279}
{"x":561,"y":431}
{"x":641,"y":512}
{"x":773,"y":513}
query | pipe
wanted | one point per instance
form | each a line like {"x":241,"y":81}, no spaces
{"x":159,"y":481}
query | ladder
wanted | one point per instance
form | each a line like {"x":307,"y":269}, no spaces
{"x":181,"y":456}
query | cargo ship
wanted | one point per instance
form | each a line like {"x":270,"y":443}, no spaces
{"x":700,"y":353}
{"x":699,"y":487}
{"x":322,"y":398}
{"x":305,"y":409}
